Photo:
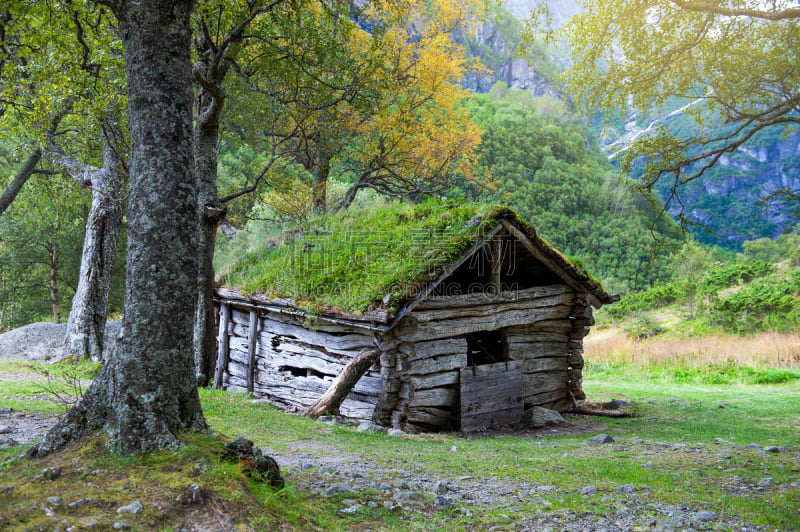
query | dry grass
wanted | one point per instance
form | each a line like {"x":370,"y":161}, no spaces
{"x":774,"y":350}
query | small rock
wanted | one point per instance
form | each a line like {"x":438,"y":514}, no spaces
{"x":121,"y":526}
{"x":51,"y":473}
{"x":540,"y":417}
{"x":720,"y":440}
{"x":600,"y":438}
{"x":339,"y":488}
{"x":725,"y":456}
{"x":443,"y":503}
{"x":724,"y":404}
{"x":685,"y":403}
{"x":754,"y":446}
{"x":196,"y":493}
{"x":372,"y":504}
{"x":453,"y":449}
{"x":366,"y":426}
{"x":440,"y":487}
{"x":764,"y":482}
{"x":648,"y":465}
{"x":385,"y":487}
{"x":464,"y":512}
{"x":410,"y":498}
{"x":352,"y":509}
{"x":672,"y":399}
{"x":307,"y":466}
{"x":587,"y":491}
{"x":395,"y":432}
{"x":325,"y":419}
{"x":132,"y":508}
{"x":772,"y":449}
{"x":91,"y":524}
{"x":616,"y":404}
{"x":6,"y":411}
{"x":81,"y":502}
{"x":55,"y":502}
{"x":704,"y":516}
{"x":627,"y":488}
{"x":413,"y":485}
{"x":5,"y":429}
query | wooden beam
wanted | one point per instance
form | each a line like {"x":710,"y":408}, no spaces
{"x":252,"y":337}
{"x":332,"y":399}
{"x":222,"y":338}
{"x":547,"y":261}
{"x":496,"y":246}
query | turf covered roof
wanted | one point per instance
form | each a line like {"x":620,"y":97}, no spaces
{"x":355,"y":262}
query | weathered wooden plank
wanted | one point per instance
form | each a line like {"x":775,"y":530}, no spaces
{"x":446,"y":346}
{"x":435,"y":364}
{"x":457,"y":327}
{"x":482,"y":298}
{"x":357,"y":410}
{"x":522,"y":351}
{"x":427,"y":417}
{"x":308,"y":359}
{"x":542,"y":326}
{"x":538,"y":365}
{"x":222,"y":339}
{"x":434,"y":380}
{"x":491,"y":395}
{"x":433,"y":397}
{"x":476,"y":311}
{"x":348,"y":343}
{"x":534,"y":337}
{"x":540,"y":399}
{"x":535,"y":383}
{"x":251,"y":349}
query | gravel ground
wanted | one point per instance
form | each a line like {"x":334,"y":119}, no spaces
{"x":449,"y":503}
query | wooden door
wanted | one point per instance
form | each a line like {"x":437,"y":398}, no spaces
{"x":491,"y":395}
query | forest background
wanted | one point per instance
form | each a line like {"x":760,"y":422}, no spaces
{"x":534,"y":152}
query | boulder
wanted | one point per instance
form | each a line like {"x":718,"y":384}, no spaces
{"x":540,"y":417}
{"x":43,"y":341}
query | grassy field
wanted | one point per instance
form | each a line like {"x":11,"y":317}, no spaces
{"x":671,"y":453}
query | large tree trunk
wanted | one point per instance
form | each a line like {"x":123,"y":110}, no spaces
{"x":146,"y":394}
{"x":87,"y":318}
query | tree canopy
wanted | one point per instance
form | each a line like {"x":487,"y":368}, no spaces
{"x":730,"y":63}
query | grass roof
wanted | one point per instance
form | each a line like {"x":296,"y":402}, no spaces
{"x":356,"y":261}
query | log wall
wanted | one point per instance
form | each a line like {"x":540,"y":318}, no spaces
{"x":417,"y":384}
{"x":291,"y":365}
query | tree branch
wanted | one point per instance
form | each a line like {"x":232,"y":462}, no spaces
{"x":716,"y":9}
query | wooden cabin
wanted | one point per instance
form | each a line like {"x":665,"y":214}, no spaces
{"x":493,"y":325}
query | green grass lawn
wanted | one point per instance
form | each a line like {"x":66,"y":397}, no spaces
{"x":667,"y":451}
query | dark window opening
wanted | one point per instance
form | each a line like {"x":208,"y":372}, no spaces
{"x":486,"y":347}
{"x":303,"y":372}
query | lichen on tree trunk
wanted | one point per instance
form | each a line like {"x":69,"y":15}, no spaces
{"x":87,"y":318}
{"x":146,"y":394}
